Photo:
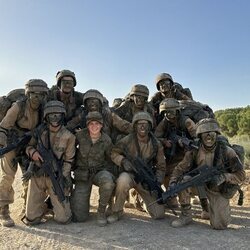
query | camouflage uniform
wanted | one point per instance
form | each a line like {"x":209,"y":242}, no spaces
{"x":218,"y":155}
{"x":92,"y":167}
{"x":22,"y":117}
{"x":174,"y":92}
{"x":72,"y":101}
{"x":62,"y":143}
{"x":127,"y":110}
{"x":174,"y":153}
{"x":113,"y":125}
{"x":150,"y":152}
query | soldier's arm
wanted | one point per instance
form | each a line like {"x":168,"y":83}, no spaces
{"x":68,"y":157}
{"x":122,"y":125}
{"x":8,"y":122}
{"x":182,"y":167}
{"x":160,"y":164}
{"x":180,"y":95}
{"x":191,"y":127}
{"x":117,"y":152}
{"x":237,"y":174}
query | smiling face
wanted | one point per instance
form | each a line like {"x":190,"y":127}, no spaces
{"x":94,"y":128}
{"x":142,"y":128}
{"x":209,"y":139}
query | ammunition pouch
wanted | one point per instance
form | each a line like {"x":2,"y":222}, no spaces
{"x":228,"y":190}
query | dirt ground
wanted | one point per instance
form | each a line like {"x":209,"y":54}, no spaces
{"x":135,"y":231}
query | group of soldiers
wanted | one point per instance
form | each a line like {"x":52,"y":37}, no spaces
{"x":85,"y":142}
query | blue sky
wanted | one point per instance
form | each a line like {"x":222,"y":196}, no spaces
{"x":113,"y":44}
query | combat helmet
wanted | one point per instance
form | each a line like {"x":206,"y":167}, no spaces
{"x":53,"y":107}
{"x":142,"y":116}
{"x":61,"y":74}
{"x":163,"y":76}
{"x":140,"y":90}
{"x":207,"y":125}
{"x":94,"y":116}
{"x":36,"y":85}
{"x":169,"y":103}
{"x":93,"y":93}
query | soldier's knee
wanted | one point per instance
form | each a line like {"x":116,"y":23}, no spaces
{"x":108,"y":186}
{"x":123,"y":182}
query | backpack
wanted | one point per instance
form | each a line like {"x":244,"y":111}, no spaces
{"x":17,"y":95}
{"x":195,"y":110}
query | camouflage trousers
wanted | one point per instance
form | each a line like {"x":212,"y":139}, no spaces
{"x":80,"y":199}
{"x":124,"y":183}
{"x":8,"y":172}
{"x":219,"y":207}
{"x":38,"y":190}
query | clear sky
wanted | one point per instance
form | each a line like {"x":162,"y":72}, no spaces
{"x":113,"y":44}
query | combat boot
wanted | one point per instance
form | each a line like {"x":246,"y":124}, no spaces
{"x":205,"y":212}
{"x":172,"y":203}
{"x":185,"y":217}
{"x":101,"y":216}
{"x":5,"y":219}
{"x":114,"y":217}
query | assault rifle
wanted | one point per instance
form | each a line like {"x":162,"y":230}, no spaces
{"x":175,"y":139}
{"x":21,"y":141}
{"x":53,"y":168}
{"x":144,"y":174}
{"x":194,"y":178}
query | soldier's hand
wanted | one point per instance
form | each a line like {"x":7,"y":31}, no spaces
{"x":171,"y":186}
{"x":27,"y":175}
{"x":127,"y":165}
{"x":37,"y":157}
{"x":167,"y":143}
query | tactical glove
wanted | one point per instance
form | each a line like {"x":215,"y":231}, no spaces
{"x":127,"y":165}
{"x":30,"y":172}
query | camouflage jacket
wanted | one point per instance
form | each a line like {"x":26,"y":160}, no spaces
{"x":72,"y":103}
{"x":111,"y":122}
{"x":91,"y":157}
{"x":20,"y":118}
{"x":127,"y":110}
{"x":62,"y":143}
{"x":196,"y":158}
{"x":151,"y":155}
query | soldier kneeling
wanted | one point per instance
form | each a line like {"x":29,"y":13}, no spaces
{"x":219,"y":190}
{"x":52,"y":151}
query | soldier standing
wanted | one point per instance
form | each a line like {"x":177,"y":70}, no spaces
{"x":64,"y":91}
{"x":137,"y":102}
{"x":113,"y":125}
{"x":219,"y":191}
{"x":92,"y":167}
{"x":52,"y":136}
{"x":166,"y":89}
{"x":22,"y":117}
{"x":140,"y":143}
